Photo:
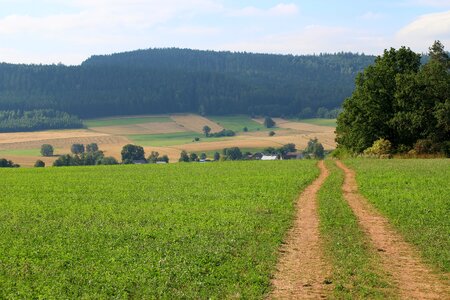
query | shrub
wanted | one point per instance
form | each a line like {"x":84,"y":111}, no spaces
{"x":39,"y":164}
{"x":380,"y":147}
{"x":47,"y":150}
{"x":426,"y":146}
{"x":77,"y":148}
{"x":271,"y":133}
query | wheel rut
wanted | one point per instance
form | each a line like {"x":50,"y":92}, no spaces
{"x":302,"y":272}
{"x":413,"y":278}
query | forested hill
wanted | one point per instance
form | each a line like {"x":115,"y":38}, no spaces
{"x":181,"y":80}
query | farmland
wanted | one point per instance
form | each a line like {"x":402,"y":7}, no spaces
{"x":414,"y":195}
{"x":173,"y":231}
{"x":167,"y":134}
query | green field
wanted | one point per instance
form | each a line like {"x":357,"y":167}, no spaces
{"x":318,"y":121}
{"x":21,"y":152}
{"x":169,"y":139}
{"x":415,"y":196}
{"x":356,"y":268}
{"x":237,"y":123}
{"x":125,"y":121}
{"x":155,"y":231}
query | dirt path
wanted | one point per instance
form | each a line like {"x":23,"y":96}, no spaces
{"x":301,"y":271}
{"x":414,"y":279}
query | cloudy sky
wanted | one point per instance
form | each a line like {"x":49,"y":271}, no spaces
{"x":69,"y":31}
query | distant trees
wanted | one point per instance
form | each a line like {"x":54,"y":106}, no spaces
{"x":33,"y":120}
{"x":39,"y":164}
{"x":184,"y":157}
{"x":216,"y":156}
{"x":180,"y":80}
{"x":222,"y":133}
{"x":78,"y":148}
{"x":233,"y":153}
{"x":92,"y":147}
{"x":154,"y":158}
{"x":84,"y":159}
{"x":47,"y":150}
{"x":399,"y":100}
{"x":206,"y":130}
{"x":4,"y":163}
{"x":132,"y":152}
{"x":268,"y":122}
{"x":271,"y":133}
{"x":314,"y":149}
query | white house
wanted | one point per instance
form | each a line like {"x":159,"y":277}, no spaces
{"x":269,"y":157}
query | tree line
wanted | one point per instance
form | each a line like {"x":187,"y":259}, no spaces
{"x":399,"y":105}
{"x":158,"y":81}
{"x":39,"y":119}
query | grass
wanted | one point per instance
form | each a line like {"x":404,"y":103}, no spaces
{"x":21,"y":152}
{"x":210,"y":154}
{"x":415,"y":196}
{"x":192,"y":231}
{"x":356,"y":270}
{"x":125,"y":121}
{"x":169,"y":139}
{"x":237,"y":123}
{"x":318,"y":121}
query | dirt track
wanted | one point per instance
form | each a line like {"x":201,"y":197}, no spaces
{"x":414,"y":279}
{"x":301,"y":271}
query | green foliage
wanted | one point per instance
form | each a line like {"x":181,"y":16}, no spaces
{"x":314,"y":149}
{"x":145,"y":232}
{"x":397,"y":100}
{"x":193,"y":157}
{"x":92,"y":147}
{"x":356,"y":268}
{"x":216,"y":156}
{"x":233,"y":153}
{"x":39,"y":164}
{"x":380,"y":148}
{"x":84,"y":159}
{"x":47,"y":150}
{"x":222,"y":133}
{"x":184,"y":157}
{"x":4,"y":163}
{"x":132,"y":152}
{"x":269,"y":123}
{"x":414,"y":195}
{"x":34,"y":120}
{"x":206,"y":130}
{"x":77,"y":148}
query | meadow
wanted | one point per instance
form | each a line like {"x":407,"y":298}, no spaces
{"x":153,"y":231}
{"x":237,"y":123}
{"x":118,"y":121}
{"x":414,"y":195}
{"x":319,"y":121}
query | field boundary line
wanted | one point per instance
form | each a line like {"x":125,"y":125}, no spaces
{"x":302,"y":272}
{"x":413,"y":278}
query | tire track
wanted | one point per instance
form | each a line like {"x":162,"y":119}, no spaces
{"x":413,"y":279}
{"x":302,"y":271}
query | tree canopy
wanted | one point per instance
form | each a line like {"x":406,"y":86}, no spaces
{"x":399,"y":100}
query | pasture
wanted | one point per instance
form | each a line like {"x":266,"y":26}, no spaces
{"x":172,"y":231}
{"x":414,"y":195}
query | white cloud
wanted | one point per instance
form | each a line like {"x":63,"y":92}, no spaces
{"x":278,"y":10}
{"x":422,"y":32}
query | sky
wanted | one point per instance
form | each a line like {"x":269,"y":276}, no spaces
{"x":70,"y":31}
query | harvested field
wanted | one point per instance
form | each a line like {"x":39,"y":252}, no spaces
{"x":144,"y":128}
{"x":195,"y":123}
{"x":20,"y":137}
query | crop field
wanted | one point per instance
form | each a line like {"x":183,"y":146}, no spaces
{"x":168,"y":139}
{"x":237,"y":123}
{"x":356,"y":270}
{"x":320,"y":122}
{"x":172,"y":231}
{"x":414,"y":195}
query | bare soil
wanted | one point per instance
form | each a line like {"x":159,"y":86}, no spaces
{"x":414,"y":279}
{"x":302,"y":272}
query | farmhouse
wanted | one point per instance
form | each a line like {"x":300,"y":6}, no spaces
{"x":293,"y":155}
{"x":269,"y":157}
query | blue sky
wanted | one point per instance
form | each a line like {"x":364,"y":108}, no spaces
{"x":69,"y":31}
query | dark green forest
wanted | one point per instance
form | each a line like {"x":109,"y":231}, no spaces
{"x":41,"y":119}
{"x":180,"y":80}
